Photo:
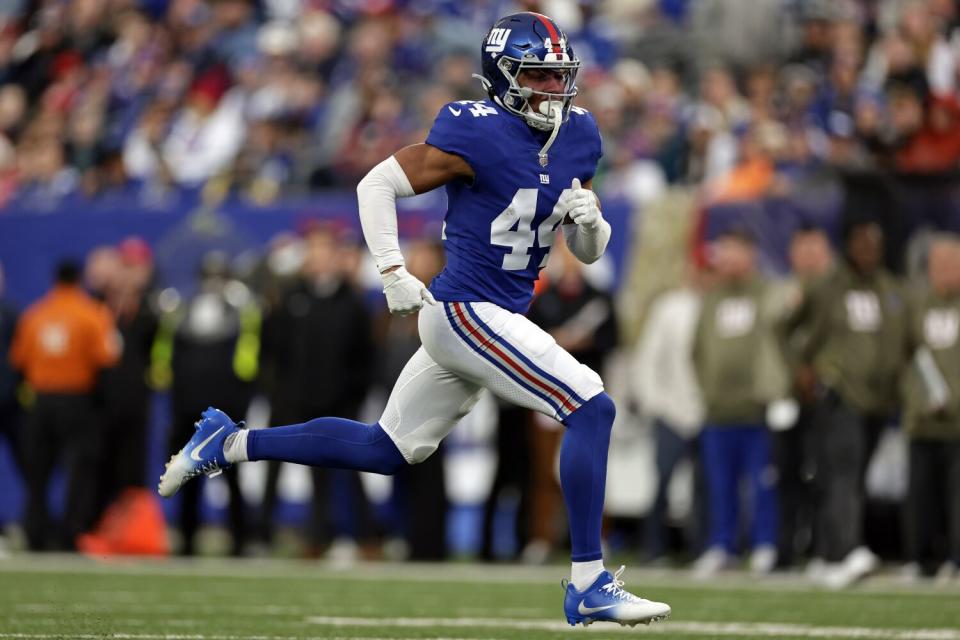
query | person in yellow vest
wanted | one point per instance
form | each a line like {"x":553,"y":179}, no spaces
{"x":931,"y":415}
{"x":61,"y":344}
{"x":208,"y":350}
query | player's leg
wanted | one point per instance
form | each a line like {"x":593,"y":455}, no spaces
{"x":425,"y":404}
{"x":520,"y":362}
{"x":218,"y":442}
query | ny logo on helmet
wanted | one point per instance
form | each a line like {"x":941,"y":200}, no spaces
{"x":497,"y":40}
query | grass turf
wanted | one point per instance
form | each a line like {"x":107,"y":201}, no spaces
{"x":46,"y":597}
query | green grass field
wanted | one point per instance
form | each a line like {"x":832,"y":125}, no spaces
{"x":46,"y":597}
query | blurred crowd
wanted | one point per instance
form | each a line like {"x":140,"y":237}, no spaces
{"x":265,"y":98}
{"x":792,"y":402}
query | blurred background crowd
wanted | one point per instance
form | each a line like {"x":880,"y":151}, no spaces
{"x":777,"y":318}
{"x":101,"y":98}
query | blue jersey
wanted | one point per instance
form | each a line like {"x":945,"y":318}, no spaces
{"x":499,"y":227}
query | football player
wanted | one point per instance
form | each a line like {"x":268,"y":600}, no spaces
{"x":516,"y":166}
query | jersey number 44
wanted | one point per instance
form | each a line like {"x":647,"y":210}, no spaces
{"x":514,"y":229}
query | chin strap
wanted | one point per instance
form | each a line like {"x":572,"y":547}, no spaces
{"x":557,"y":115}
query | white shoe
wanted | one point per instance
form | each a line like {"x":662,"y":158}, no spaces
{"x":607,"y":601}
{"x":763,"y":559}
{"x":711,"y":562}
{"x":815,"y":569}
{"x":343,"y":553}
{"x":861,"y":562}
{"x":858,"y":564}
{"x":834,"y":577}
{"x":946,"y":573}
{"x":909,"y":573}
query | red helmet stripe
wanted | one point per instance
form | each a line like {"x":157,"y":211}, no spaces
{"x":554,"y":36}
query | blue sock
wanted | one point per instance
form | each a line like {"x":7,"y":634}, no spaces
{"x":583,"y":473}
{"x":328,"y":442}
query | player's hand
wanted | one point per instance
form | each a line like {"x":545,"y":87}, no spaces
{"x":581,"y":206}
{"x":405,"y":294}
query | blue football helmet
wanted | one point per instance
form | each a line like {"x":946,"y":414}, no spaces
{"x":524,"y":41}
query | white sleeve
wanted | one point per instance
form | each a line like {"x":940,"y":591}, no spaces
{"x":587,"y":244}
{"x":377,"y":197}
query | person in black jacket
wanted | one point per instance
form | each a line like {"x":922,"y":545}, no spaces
{"x":321,"y":318}
{"x":124,"y":387}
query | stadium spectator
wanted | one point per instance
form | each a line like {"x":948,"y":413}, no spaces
{"x":126,"y":394}
{"x":61,"y":344}
{"x":667,"y":390}
{"x":811,"y":259}
{"x":733,"y":333}
{"x":209,"y":347}
{"x":100,"y":269}
{"x":850,"y":318}
{"x":350,"y":79}
{"x":925,"y":126}
{"x":207,"y":133}
{"x":320,"y":318}
{"x":931,"y":417}
{"x":45,"y":179}
{"x":143,"y":158}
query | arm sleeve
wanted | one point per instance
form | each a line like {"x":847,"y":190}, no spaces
{"x":377,"y":198}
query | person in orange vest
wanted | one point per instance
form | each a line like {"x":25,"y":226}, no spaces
{"x":60,"y":345}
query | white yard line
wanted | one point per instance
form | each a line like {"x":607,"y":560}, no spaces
{"x":748,"y":629}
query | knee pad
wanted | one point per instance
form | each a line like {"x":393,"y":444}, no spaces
{"x":598,"y":413}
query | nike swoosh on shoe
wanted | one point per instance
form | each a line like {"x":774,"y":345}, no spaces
{"x":195,"y":454}
{"x":587,"y":610}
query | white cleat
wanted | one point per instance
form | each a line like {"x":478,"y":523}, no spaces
{"x":607,"y":601}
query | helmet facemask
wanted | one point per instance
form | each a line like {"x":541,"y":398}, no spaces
{"x":516,"y":98}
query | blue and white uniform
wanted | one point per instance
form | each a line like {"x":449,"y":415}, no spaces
{"x":497,"y":234}
{"x":499,"y":228}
